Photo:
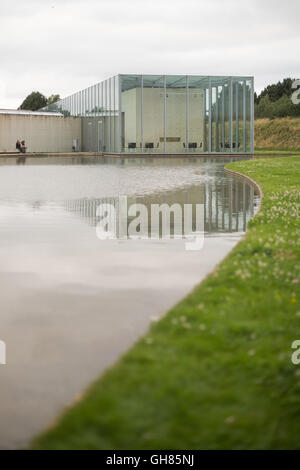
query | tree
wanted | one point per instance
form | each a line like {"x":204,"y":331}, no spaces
{"x":34,"y":101}
{"x":277,"y":90}
{"x":282,"y":107}
{"x":53,"y":99}
{"x":275,"y":101}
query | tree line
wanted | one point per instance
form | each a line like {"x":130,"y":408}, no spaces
{"x":275,"y":101}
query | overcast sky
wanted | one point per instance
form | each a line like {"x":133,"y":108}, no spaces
{"x":62,"y":46}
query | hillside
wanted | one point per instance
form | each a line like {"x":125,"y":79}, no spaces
{"x":277,"y":134}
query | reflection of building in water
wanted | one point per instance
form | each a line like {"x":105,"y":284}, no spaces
{"x":228,"y":204}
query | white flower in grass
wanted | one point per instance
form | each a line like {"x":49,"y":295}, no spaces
{"x":252,"y":352}
{"x":230,"y":420}
{"x":261,"y":264}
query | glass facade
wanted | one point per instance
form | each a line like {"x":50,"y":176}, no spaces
{"x":165,"y":114}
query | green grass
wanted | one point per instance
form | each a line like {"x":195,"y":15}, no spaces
{"x":216,"y":371}
{"x":276,"y":152}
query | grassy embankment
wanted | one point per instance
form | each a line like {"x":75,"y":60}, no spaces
{"x":216,"y":371}
{"x":277,"y":134}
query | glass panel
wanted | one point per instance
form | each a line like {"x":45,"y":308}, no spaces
{"x":196,"y":116}
{"x":248,"y":114}
{"x":219,"y":119}
{"x":206,"y":119}
{"x":213,"y":116}
{"x":107,"y":118}
{"x":116,"y":118}
{"x":153,"y":113}
{"x":108,"y":113}
{"x":218,"y":113}
{"x":176,"y":114}
{"x":105,"y":123}
{"x":131,"y":113}
{"x":80,"y":104}
{"x":91,"y":101}
{"x":225,"y":99}
{"x":67,"y":107}
{"x":112,"y":112}
{"x":235,"y":115}
{"x":101,"y":123}
{"x":87,"y":102}
{"x":94,"y":100}
{"x":239,"y":114}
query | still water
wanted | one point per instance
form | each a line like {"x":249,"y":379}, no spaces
{"x":71,"y":303}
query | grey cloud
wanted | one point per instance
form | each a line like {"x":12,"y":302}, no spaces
{"x":63,"y":46}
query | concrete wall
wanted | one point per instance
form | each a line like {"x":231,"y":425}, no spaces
{"x":41,"y":133}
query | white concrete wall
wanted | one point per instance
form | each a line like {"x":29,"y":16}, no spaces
{"x":41,"y":133}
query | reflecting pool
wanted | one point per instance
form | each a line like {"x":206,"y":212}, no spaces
{"x":71,"y":303}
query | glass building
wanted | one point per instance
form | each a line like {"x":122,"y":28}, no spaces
{"x":165,"y":114}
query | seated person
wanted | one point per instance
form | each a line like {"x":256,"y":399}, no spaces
{"x":23,"y":147}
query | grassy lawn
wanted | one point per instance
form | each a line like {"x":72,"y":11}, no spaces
{"x":275,"y":152}
{"x":216,"y":371}
{"x":279,"y":133}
